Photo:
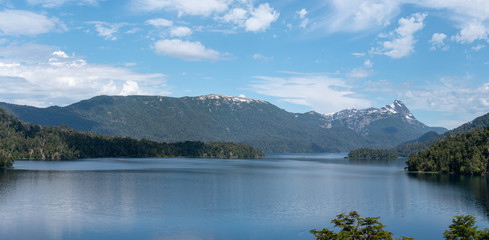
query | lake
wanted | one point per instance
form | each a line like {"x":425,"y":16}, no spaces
{"x":278,"y":197}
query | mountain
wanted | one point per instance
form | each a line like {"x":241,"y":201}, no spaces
{"x":21,"y":140}
{"x":425,"y":141}
{"x":382,"y":127}
{"x":225,"y":118}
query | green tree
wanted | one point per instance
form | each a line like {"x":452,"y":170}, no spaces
{"x":354,"y":227}
{"x":6,"y":160}
{"x":463,"y":227}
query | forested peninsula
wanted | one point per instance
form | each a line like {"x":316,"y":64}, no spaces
{"x":21,"y":140}
{"x":371,"y":154}
{"x":464,"y":153}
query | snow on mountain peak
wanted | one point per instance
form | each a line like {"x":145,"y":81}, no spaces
{"x":229,"y":98}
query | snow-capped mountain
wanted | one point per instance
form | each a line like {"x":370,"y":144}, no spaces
{"x":359,"y":120}
{"x":237,"y":119}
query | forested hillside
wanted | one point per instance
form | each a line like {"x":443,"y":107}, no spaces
{"x":20,"y":140}
{"x":231,"y":119}
{"x":430,"y":138}
{"x":464,"y":153}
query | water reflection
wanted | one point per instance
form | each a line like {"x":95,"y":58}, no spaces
{"x":473,"y":187}
{"x":272,"y":198}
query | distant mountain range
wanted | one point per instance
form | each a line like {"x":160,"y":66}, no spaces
{"x":225,"y":118}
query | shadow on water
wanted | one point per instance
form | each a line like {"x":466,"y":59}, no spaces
{"x":477,"y":186}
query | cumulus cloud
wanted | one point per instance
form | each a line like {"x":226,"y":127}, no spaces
{"x":130,"y":88}
{"x":252,"y":19}
{"x":403,"y":41}
{"x":320,"y":92}
{"x":192,"y":51}
{"x":237,"y":16}
{"x":471,"y":17}
{"x":107,"y":30}
{"x":63,"y":79}
{"x":180,"y":31}
{"x":438,"y":41}
{"x":159,"y":22}
{"x":19,"y":22}
{"x":242,"y":13}
{"x":187,"y":7}
{"x":472,"y":31}
{"x":261,"y":18}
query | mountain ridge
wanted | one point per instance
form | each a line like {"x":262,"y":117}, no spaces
{"x":216,"y":117}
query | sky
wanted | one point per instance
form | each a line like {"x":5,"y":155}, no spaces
{"x":319,"y":55}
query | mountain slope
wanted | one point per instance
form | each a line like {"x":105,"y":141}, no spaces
{"x":225,"y":118}
{"x":425,"y":141}
{"x":20,"y":140}
{"x":382,"y":128}
{"x":462,"y":153}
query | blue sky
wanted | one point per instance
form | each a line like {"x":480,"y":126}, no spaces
{"x":316,"y":55}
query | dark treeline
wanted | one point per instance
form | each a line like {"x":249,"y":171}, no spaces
{"x":20,"y":140}
{"x":430,"y":138}
{"x":465,"y":153}
{"x":372,"y":154}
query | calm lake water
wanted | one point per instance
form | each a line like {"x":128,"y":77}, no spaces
{"x":279,"y":197}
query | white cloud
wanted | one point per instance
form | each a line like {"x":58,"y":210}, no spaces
{"x":192,"y":51}
{"x":241,"y":13}
{"x":402,"y":44}
{"x":471,"y":17}
{"x":478,"y":47}
{"x":60,"y":54}
{"x":472,"y":31}
{"x":302,"y":15}
{"x":180,"y":32}
{"x":261,"y":18}
{"x":455,"y":100}
{"x":188,"y":7}
{"x":258,"y":56}
{"x":28,"y":53}
{"x":356,"y":15}
{"x":253,"y":19}
{"x":57,"y":3}
{"x":361,"y":72}
{"x":159,"y":22}
{"x":63,"y":80}
{"x":319,"y":92}
{"x":438,"y":41}
{"x":236,"y":15}
{"x":107,"y":30}
{"x":368,"y":63}
{"x":130,"y":88}
{"x":19,"y":22}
